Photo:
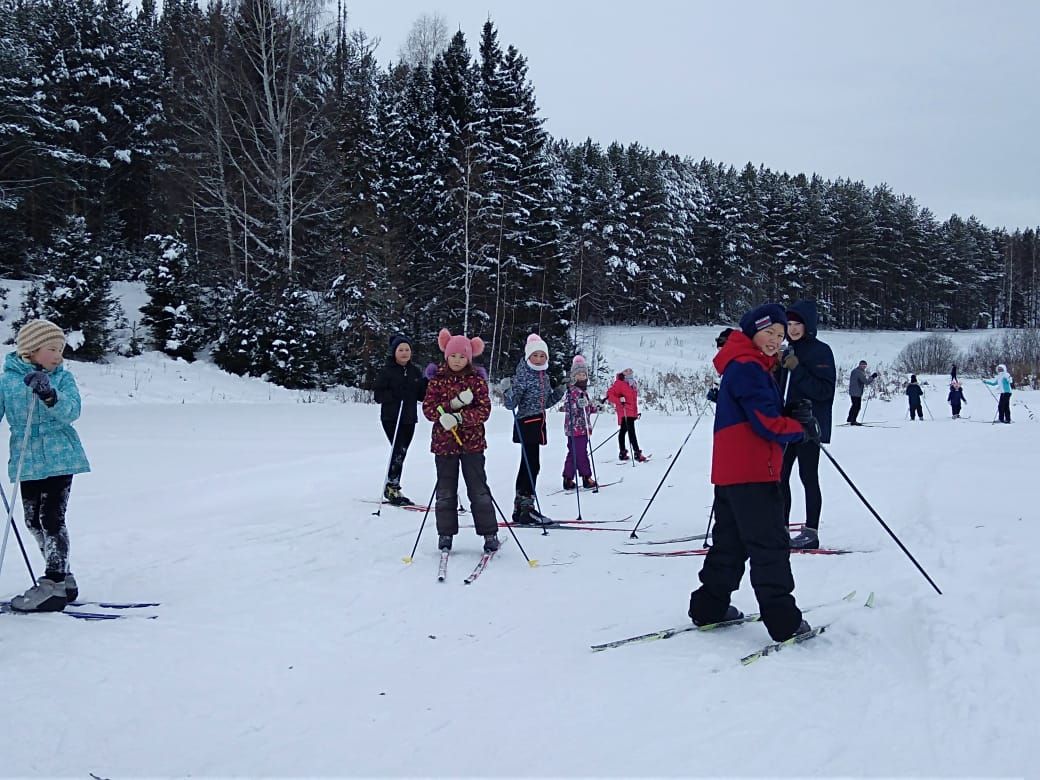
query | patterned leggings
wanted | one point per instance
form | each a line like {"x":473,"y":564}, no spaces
{"x":44,"y":502}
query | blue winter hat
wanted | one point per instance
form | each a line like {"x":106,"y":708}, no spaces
{"x":762,"y":317}
{"x":398,"y":340}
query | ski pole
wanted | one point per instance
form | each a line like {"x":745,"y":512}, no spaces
{"x":609,"y":437}
{"x":878,"y":518}
{"x":666,"y":473}
{"x":389,"y":462}
{"x":408,"y":558}
{"x":17,"y":485}
{"x":527,"y":465}
{"x":707,"y":530}
{"x":454,"y":431}
{"x":592,"y":460}
{"x":17,"y":536}
{"x":574,"y":460}
{"x":532,"y":562}
{"x":926,"y":406}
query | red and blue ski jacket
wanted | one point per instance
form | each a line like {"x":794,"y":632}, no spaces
{"x":749,"y":421}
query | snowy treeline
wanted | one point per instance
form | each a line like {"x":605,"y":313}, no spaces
{"x":286,"y":196}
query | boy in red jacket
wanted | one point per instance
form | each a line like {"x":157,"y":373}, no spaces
{"x":625,"y":398}
{"x":458,"y":402}
{"x":750,"y":427}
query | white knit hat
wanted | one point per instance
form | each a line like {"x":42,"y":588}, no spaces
{"x":38,"y":333}
{"x":535,"y":344}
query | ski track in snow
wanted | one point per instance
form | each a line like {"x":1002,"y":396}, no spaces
{"x":293,"y":641}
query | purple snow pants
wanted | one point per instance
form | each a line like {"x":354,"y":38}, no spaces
{"x":577,"y":454}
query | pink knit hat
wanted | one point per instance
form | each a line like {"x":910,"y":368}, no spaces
{"x":579,"y":366}
{"x":461,"y":345}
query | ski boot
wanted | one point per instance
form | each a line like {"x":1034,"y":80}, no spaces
{"x":732,"y":613}
{"x":491,"y":543}
{"x":807,"y":539}
{"x":641,"y":457}
{"x":71,"y":588}
{"x":45,"y":596}
{"x":569,"y":484}
{"x":589,"y":483}
{"x":623,"y":455}
{"x":392,"y":495}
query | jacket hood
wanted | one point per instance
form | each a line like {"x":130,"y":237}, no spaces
{"x":740,"y":347}
{"x":13,"y":362}
{"x":806,"y":310}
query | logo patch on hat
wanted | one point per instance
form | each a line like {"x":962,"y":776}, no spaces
{"x":763,"y":322}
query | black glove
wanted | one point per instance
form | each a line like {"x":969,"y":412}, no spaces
{"x":874,"y":375}
{"x":800,"y":410}
{"x":40,"y":384}
{"x":713,"y":395}
{"x":812,"y":430}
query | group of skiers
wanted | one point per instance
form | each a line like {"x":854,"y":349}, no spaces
{"x":455,"y":395}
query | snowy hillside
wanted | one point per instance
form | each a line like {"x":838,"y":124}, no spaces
{"x":292,"y":640}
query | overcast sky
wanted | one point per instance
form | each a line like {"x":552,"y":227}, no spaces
{"x":938,"y":98}
{"x":941,"y":100}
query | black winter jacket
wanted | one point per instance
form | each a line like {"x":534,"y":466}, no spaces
{"x":396,"y":384}
{"x":814,"y":377}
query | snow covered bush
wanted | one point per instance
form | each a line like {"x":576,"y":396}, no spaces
{"x":174,"y":311}
{"x":933,"y":354}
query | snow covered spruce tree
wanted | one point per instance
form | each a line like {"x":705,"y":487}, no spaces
{"x":174,"y":308}
{"x":73,"y":290}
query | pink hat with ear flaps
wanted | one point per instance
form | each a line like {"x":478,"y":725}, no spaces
{"x":461,"y":345}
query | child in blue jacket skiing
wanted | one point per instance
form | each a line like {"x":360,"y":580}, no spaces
{"x":40,"y":398}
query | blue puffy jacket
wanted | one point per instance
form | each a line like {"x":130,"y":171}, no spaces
{"x":54,"y":446}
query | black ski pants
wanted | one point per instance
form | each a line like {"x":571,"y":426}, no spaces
{"x":916,"y":411}
{"x":531,"y":436}
{"x":749,"y":523}
{"x":808,"y":456}
{"x":447,"y":506}
{"x":628,"y":425}
{"x":399,"y":447}
{"x":44,"y":502}
{"x":857,"y":402}
{"x":1004,"y":408}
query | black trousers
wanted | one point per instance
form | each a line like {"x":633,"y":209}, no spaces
{"x":857,"y":402}
{"x":44,"y":502}
{"x":808,"y":456}
{"x":1004,"y":407}
{"x":531,"y":437}
{"x":628,"y":425}
{"x":749,"y":523}
{"x":405,"y":431}
{"x":916,"y":410}
{"x":447,"y":506}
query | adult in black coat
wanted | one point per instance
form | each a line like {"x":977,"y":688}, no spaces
{"x":399,"y":387}
{"x":808,"y":375}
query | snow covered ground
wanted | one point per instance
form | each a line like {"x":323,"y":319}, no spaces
{"x":293,"y":641}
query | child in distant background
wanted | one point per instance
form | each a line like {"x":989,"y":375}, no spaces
{"x":576,"y":411}
{"x":914,"y":394}
{"x":956,"y":398}
{"x":625,"y":397}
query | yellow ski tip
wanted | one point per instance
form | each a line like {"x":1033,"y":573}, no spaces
{"x":407,"y":559}
{"x":532,"y":563}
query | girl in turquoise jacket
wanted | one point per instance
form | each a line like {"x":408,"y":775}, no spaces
{"x":38,"y":391}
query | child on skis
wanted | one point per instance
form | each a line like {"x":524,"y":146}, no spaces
{"x":576,"y":411}
{"x":528,"y":394}
{"x":624,"y":395}
{"x":1003,"y":382}
{"x":750,"y":431}
{"x":38,"y":392}
{"x":956,"y":398}
{"x":914,"y":394}
{"x":398,"y":388}
{"x":458,"y":402}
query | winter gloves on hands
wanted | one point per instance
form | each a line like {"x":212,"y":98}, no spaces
{"x":40,"y":383}
{"x":431,"y":370}
{"x":802,"y":412}
{"x":465,"y":398}
{"x":791,"y":361}
{"x":505,"y":385}
{"x":450,"y":421}
{"x":713,"y":395}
